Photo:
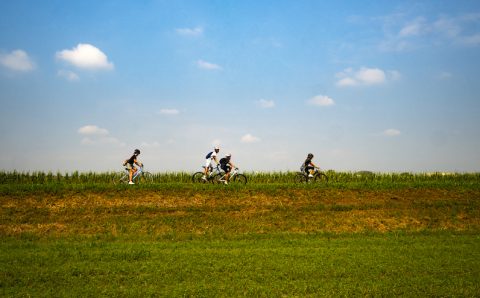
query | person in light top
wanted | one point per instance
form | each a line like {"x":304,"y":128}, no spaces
{"x":210,"y":159}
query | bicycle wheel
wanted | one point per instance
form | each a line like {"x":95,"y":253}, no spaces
{"x":216,"y":178}
{"x":239,"y":179}
{"x":300,"y":178}
{"x":197,"y":178}
{"x":120,"y":178}
{"x":146,"y":178}
{"x":321,"y":178}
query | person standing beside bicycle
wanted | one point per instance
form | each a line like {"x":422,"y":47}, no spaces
{"x":308,"y":166}
{"x":209,"y":159}
{"x":130,"y":165}
{"x":226,"y":165}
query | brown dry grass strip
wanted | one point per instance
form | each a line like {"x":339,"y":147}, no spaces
{"x":294,"y":211}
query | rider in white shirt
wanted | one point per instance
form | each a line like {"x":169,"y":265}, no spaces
{"x":209,"y":160}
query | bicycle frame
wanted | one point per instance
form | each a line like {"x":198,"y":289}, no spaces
{"x":233,"y":173}
{"x":213,"y":171}
{"x":137,"y":173}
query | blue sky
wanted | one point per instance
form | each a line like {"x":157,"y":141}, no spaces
{"x":387,"y":86}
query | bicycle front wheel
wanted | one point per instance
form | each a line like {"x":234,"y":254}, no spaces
{"x":239,"y":179}
{"x":321,"y":178}
{"x":146,"y":178}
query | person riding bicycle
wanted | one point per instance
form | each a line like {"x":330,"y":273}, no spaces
{"x":209,"y":159}
{"x":308,"y":166}
{"x":226,"y":165}
{"x":130,"y":163}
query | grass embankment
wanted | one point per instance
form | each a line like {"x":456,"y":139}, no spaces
{"x":259,"y":240}
{"x":169,"y":212}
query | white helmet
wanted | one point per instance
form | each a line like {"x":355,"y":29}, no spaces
{"x":228,"y":155}
{"x":216,"y":148}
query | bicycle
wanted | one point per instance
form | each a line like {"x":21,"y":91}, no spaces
{"x":235,"y":177}
{"x":318,"y":177}
{"x":140,"y":177}
{"x":198,"y":177}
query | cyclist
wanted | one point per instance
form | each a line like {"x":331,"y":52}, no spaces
{"x":209,"y":159}
{"x":308,"y":166}
{"x":130,"y":165}
{"x":227,"y":166}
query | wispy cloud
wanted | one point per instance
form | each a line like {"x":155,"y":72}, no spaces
{"x":92,"y":130}
{"x":403,"y":33}
{"x":154,"y":144}
{"x":208,"y":65}
{"x":266,"y":104}
{"x":92,"y":134}
{"x":86,"y":56}
{"x":365,"y":77}
{"x":169,"y":112}
{"x":391,"y":132}
{"x":68,"y":75}
{"x":194,"y":32}
{"x":17,"y":60}
{"x":248,"y":138}
{"x":321,"y":101}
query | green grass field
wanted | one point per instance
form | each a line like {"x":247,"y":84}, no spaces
{"x":374,"y":235}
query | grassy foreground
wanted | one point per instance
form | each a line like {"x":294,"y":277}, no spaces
{"x":344,"y":239}
{"x":436,"y":264}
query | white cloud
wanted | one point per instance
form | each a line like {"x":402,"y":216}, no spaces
{"x":370,"y":76}
{"x":365,"y":77}
{"x":17,"y":60}
{"x":86,"y":56}
{"x":169,"y":112}
{"x":321,"y":100}
{"x":197,"y":31}
{"x":346,"y":82}
{"x":68,"y":75}
{"x":248,"y":138}
{"x":97,"y":135}
{"x":208,"y":66}
{"x":92,"y":130}
{"x":266,"y":104}
{"x":391,"y":132}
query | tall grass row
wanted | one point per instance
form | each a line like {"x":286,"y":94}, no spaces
{"x":15,"y":177}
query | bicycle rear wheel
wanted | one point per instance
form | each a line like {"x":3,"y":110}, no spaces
{"x":239,"y":179}
{"x":120,"y":178}
{"x":197,"y":178}
{"x":300,"y":178}
{"x":321,"y":178}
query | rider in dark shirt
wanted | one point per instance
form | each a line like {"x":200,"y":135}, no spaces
{"x":227,"y":166}
{"x":308,"y":166}
{"x":130,"y":165}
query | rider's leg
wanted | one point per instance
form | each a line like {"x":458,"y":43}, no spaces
{"x":131,"y":173}
{"x":207,"y":167}
{"x":310,"y":171}
{"x":227,"y":175}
